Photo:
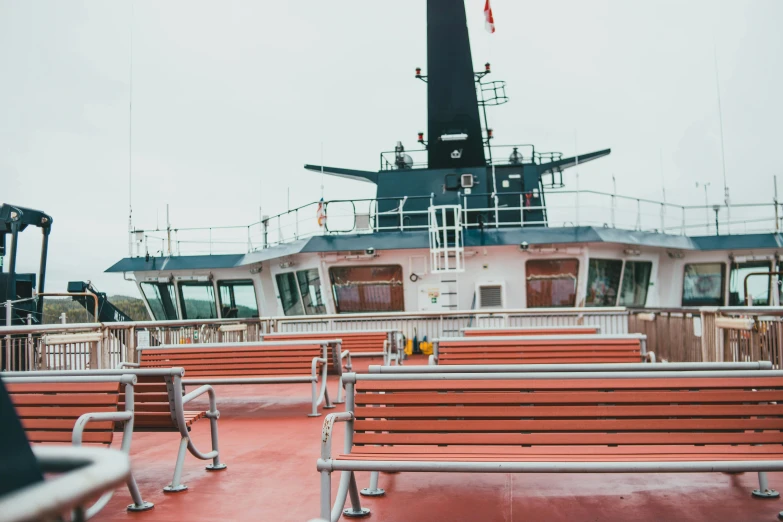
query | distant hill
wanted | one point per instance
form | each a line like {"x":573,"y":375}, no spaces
{"x":75,"y":313}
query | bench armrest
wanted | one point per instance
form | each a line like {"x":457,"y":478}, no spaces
{"x":432,"y":361}
{"x":650,"y":357}
{"x":114,"y":416}
{"x":314,"y":367}
{"x":328,"y":428}
{"x":124,"y":364}
{"x":201,"y":390}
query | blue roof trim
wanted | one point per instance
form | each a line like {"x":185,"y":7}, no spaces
{"x":473,"y":238}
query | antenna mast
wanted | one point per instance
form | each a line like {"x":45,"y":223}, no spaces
{"x":722,"y":146}
{"x":130,"y":141}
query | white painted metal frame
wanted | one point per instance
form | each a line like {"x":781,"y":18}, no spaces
{"x":326,"y":464}
{"x":442,"y":248}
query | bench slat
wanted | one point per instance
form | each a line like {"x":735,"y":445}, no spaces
{"x":667,"y":383}
{"x":61,"y":412}
{"x":585,"y":397}
{"x":464,"y":439}
{"x":582,"y":411}
{"x":61,"y":387}
{"x":92,"y":437}
{"x":25,"y":399}
{"x":63,"y":424}
{"x":574,"y":425}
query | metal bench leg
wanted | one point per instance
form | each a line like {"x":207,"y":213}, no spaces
{"x":138,"y":503}
{"x":176,"y":486}
{"x":373,"y":490}
{"x":764,"y":491}
{"x":356,"y":510}
{"x":340,"y":399}
{"x":328,"y":405}
{"x":216,"y":464}
{"x":314,"y":413}
{"x":326,"y":495}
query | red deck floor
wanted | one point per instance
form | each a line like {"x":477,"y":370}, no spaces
{"x":271,"y":448}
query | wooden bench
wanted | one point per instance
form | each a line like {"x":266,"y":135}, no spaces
{"x":531,"y":330}
{"x":634,"y":422}
{"x":77,"y":410}
{"x":541,"y":349}
{"x":246,"y":363}
{"x":159,"y":404}
{"x":369,"y":343}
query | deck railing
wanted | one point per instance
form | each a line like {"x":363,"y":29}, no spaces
{"x":564,"y":208}
{"x":674,"y":334}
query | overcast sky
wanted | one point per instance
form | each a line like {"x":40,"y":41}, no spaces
{"x":230,"y":99}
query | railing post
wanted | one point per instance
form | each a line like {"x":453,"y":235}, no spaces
{"x":638,"y":214}
{"x":210,"y":240}
{"x":663,"y":218}
{"x":8,"y":346}
{"x":63,"y":318}
{"x":521,"y":209}
{"x":296,"y":224}
{"x":683,"y":220}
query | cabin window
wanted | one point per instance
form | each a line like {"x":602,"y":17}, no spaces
{"x":703,"y":284}
{"x":603,"y":281}
{"x":310,"y":291}
{"x":636,"y":281}
{"x":289,"y":294}
{"x":237,"y":299}
{"x":162,"y":300}
{"x":198,"y":300}
{"x":758,"y":285}
{"x":551,"y":282}
{"x":367,"y":288}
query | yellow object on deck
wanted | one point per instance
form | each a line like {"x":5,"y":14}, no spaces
{"x":409,"y":347}
{"x":425,"y":347}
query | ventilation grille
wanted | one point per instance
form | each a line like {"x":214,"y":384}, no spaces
{"x":491,"y":296}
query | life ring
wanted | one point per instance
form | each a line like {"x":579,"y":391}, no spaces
{"x":413,"y":277}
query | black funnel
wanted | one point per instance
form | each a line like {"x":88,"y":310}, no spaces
{"x":451,"y":90}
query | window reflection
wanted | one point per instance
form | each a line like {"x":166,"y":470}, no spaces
{"x":237,"y":299}
{"x":703,"y":284}
{"x":603,"y":281}
{"x":198,"y":300}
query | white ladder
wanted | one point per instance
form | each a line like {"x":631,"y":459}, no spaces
{"x":447,"y":250}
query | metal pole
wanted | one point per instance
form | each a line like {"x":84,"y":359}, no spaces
{"x":614,"y":194}
{"x":42,"y":271}
{"x":777,"y":221}
{"x":8,"y":315}
{"x":168,"y":231}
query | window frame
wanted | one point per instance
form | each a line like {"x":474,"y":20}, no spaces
{"x":172,"y":297}
{"x":622,"y":280}
{"x":183,"y":308}
{"x":280,"y":293}
{"x":770,"y":263}
{"x":705,"y":302}
{"x":587,"y":280}
{"x":337,"y":301}
{"x":576,"y":283}
{"x":233,"y":282}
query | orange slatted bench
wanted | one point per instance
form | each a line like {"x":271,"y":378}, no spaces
{"x":76,"y":410}
{"x":246,"y":363}
{"x":531,"y":330}
{"x":541,"y":349}
{"x":159,"y":406}
{"x":593,"y":422}
{"x":370,"y":343}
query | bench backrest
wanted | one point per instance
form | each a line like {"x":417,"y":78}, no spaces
{"x":544,"y":349}
{"x":356,"y":342}
{"x":531,"y":330}
{"x":625,"y":409}
{"x":235,"y":360}
{"x":49,"y":410}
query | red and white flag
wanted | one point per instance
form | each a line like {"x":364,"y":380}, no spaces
{"x":489,"y":20}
